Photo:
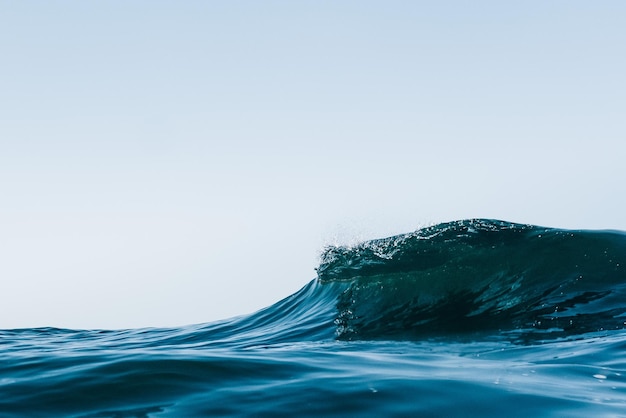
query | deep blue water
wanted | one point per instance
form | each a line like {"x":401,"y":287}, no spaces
{"x":469,"y":318}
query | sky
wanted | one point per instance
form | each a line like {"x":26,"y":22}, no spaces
{"x":165,"y":163}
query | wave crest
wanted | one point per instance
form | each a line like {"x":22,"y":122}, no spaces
{"x":479,"y":276}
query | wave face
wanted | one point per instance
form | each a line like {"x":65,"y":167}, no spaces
{"x":469,"y":318}
{"x":480,"y":276}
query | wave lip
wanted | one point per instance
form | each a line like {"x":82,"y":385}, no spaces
{"x":477,"y":276}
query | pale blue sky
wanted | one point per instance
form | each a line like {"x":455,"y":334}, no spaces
{"x":166,"y":163}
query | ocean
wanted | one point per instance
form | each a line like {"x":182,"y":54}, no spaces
{"x":468,"y":318}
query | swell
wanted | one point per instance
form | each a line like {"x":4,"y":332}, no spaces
{"x":476,"y":277}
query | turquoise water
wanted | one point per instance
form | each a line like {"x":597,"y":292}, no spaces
{"x":469,"y":318}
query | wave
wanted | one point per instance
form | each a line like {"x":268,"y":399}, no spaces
{"x":474,"y":278}
{"x":479,"y":276}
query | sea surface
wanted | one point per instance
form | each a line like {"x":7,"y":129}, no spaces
{"x":469,"y":318}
